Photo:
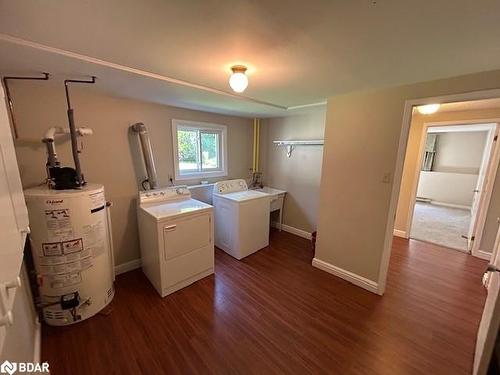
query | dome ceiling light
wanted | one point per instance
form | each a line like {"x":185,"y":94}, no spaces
{"x":238,"y":80}
{"x":428,"y":109}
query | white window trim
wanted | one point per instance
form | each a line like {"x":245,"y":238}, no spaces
{"x":205,"y":126}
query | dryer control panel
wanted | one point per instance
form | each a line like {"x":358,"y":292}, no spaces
{"x":170,"y":193}
{"x":230,"y":186}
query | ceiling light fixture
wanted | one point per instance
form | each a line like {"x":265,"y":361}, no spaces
{"x":428,"y":109}
{"x":238,"y":80}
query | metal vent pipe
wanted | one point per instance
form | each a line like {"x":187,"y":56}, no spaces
{"x":147,"y":153}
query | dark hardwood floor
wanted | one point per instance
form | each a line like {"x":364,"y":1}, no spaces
{"x":273,"y":313}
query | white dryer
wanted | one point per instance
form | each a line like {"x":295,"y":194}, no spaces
{"x":176,"y":236}
{"x":241,"y":218}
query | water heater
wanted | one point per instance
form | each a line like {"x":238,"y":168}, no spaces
{"x":72,"y":251}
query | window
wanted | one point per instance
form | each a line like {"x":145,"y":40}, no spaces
{"x":199,"y":149}
{"x":430,"y":152}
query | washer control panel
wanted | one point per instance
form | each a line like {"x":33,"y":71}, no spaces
{"x":164,"y":194}
{"x":230,"y":186}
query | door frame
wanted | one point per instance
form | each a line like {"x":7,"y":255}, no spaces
{"x":494,"y":259}
{"x":491,"y":125}
{"x":490,"y":320}
{"x":398,"y":170}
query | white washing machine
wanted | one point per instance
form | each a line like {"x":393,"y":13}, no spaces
{"x":241,"y":218}
{"x":176,"y":236}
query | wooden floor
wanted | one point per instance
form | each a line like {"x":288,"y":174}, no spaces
{"x":273,"y":313}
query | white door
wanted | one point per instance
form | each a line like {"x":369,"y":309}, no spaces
{"x":490,"y":321}
{"x":13,"y":212}
{"x":481,"y":185}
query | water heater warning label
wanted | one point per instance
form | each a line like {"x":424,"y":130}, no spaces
{"x":52,"y":249}
{"x":60,"y":261}
{"x":72,"y":246}
{"x":58,"y":223}
{"x":61,"y":281}
{"x":97,"y":200}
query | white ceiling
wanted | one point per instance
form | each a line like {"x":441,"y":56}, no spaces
{"x":298,"y":52}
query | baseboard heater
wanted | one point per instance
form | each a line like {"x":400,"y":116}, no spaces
{"x":424,"y":200}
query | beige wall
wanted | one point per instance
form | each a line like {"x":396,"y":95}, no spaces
{"x":411,"y":169}
{"x":460,"y":152}
{"x":457,"y":161}
{"x":436,"y":187}
{"x":111,"y":155}
{"x":361,"y":146}
{"x":300,"y":174}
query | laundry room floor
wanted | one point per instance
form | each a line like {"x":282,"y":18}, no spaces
{"x":273,"y":313}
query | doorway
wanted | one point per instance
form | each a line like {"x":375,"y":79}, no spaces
{"x":454,"y":165}
{"x":456,"y":146}
{"x":484,"y":238}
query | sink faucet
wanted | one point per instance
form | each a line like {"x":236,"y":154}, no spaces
{"x":256,"y":183}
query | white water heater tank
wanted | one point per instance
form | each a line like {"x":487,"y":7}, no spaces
{"x":72,"y":251}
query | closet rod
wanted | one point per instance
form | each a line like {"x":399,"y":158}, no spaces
{"x":290,"y":145}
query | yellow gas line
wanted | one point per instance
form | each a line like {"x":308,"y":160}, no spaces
{"x":258,"y":147}
{"x":256,"y":144}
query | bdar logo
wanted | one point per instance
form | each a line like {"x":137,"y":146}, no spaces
{"x":8,"y":368}
{"x":23,"y":367}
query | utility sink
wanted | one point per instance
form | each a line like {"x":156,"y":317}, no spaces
{"x":277,"y":200}
{"x":272,"y":191}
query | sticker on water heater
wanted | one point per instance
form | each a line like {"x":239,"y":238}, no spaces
{"x":59,"y":226}
{"x":94,"y":236}
{"x":58,"y":269}
{"x":73,"y":267}
{"x":53,"y":260}
{"x":61,"y":281}
{"x":50,"y":249}
{"x":59,"y":214}
{"x":97,"y":200}
{"x":72,"y":246}
{"x":55,"y":254}
{"x":52,"y":269}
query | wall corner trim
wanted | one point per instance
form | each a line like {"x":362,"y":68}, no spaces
{"x":482,"y":254}
{"x":127,"y":266}
{"x":400,"y":233}
{"x":37,"y":347}
{"x":293,"y":230}
{"x":357,"y":280}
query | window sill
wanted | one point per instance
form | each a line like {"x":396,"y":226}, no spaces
{"x":198,"y":186}
{"x":197,"y":176}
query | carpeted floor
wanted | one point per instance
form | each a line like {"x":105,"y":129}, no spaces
{"x":440,"y":225}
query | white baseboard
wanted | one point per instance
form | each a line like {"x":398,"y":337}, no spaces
{"x":293,"y":230}
{"x":128,"y":266}
{"x":37,"y":347}
{"x":482,"y":254}
{"x":400,"y":233}
{"x":452,"y":205}
{"x":357,"y":280}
